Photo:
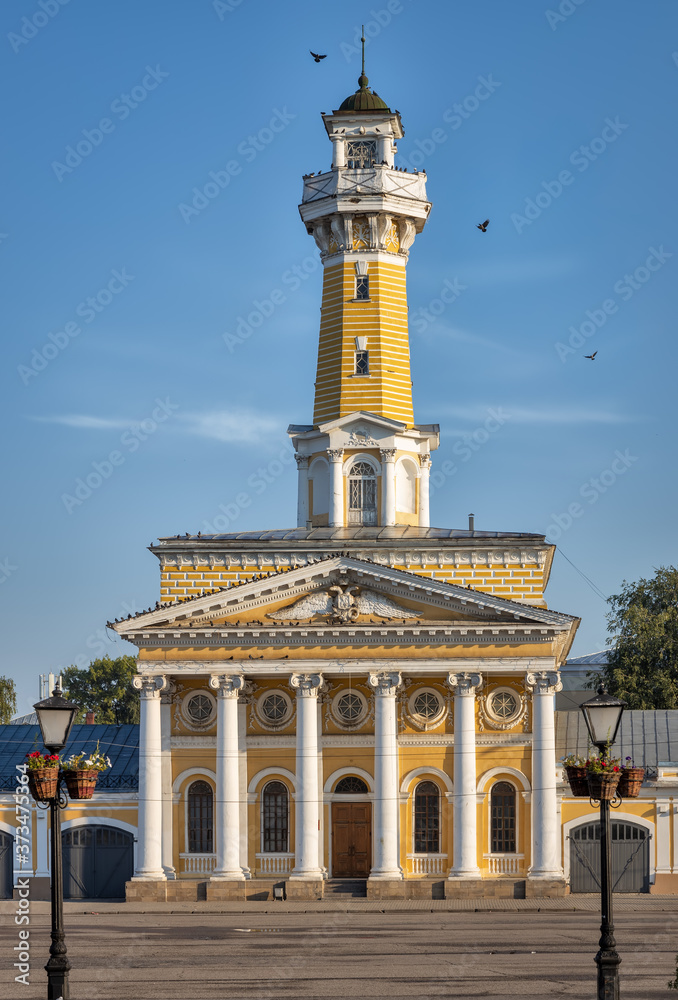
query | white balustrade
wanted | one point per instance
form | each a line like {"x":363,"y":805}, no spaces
{"x":274,"y":864}
{"x":198,"y":864}
{"x":428,"y":864}
{"x":506,"y":864}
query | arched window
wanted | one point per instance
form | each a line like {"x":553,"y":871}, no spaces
{"x":362,"y":494}
{"x":426,"y":818}
{"x":351,"y":785}
{"x":200,"y":818}
{"x":275,"y":818}
{"x":503,"y":807}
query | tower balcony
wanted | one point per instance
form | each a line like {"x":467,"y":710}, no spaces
{"x":379,"y":188}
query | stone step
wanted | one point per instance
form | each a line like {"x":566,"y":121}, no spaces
{"x":356,"y":887}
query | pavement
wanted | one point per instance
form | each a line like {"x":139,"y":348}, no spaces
{"x":354,"y":948}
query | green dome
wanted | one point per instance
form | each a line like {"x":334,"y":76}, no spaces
{"x":364,"y":99}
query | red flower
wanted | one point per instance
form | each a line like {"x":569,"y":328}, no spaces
{"x":34,"y":754}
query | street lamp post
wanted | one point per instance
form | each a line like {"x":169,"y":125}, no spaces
{"x":602,"y":715}
{"x":56,"y":716}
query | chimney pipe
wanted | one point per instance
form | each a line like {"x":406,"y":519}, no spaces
{"x":89,"y":719}
{"x":471,"y":522}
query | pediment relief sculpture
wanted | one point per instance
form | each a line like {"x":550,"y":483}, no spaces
{"x":342,"y":605}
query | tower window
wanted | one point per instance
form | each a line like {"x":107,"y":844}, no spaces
{"x":361,"y":153}
{"x":362,"y":493}
{"x":362,"y":362}
{"x":362,"y":287}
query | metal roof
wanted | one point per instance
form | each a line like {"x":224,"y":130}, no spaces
{"x":649,"y":738}
{"x":589,"y":659}
{"x":120,"y":743}
{"x":360,"y":533}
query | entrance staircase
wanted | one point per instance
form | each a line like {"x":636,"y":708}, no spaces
{"x":355,"y":887}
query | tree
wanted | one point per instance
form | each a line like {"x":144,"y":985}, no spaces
{"x":7,"y":699}
{"x":643,"y":622}
{"x":105,"y":688}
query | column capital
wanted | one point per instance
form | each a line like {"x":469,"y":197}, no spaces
{"x":464,"y":684}
{"x":425,"y":460}
{"x":335,"y":454}
{"x":388,"y":454}
{"x":168,"y":692}
{"x":384,"y":682}
{"x":307,"y":685}
{"x":543,"y":682}
{"x":150,"y":687}
{"x":302,"y":461}
{"x":227,"y":685}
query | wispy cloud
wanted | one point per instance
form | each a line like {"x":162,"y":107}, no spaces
{"x":85,"y":422}
{"x":476,"y":413}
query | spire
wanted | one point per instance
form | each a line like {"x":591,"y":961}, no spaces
{"x":362,"y":80}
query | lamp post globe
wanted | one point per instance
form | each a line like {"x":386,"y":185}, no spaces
{"x":602,"y":715}
{"x":56,"y":716}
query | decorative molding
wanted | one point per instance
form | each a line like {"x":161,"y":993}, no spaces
{"x":487,"y":717}
{"x":544,"y":682}
{"x":385,"y":683}
{"x":342,"y":607}
{"x":227,"y":685}
{"x":464,"y":684}
{"x":306,"y":685}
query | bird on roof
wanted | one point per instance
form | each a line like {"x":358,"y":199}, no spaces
{"x":482,"y":226}
{"x":591,"y":357}
{"x":317,"y":57}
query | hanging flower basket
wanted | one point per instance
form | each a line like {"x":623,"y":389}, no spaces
{"x":603,"y":787}
{"x":630,"y":782}
{"x":576,"y":775}
{"x":43,"y":783}
{"x":80,"y":784}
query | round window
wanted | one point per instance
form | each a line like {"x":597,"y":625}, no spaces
{"x":426,"y":704}
{"x":199,"y":709}
{"x":274,"y":708}
{"x":350,"y":707}
{"x":504,"y":705}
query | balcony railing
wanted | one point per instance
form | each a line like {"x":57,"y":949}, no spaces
{"x":198,"y":864}
{"x":505,"y":864}
{"x":428,"y":864}
{"x":274,"y":864}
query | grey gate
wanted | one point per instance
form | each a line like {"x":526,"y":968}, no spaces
{"x":6,"y":865}
{"x":630,"y":857}
{"x":98,"y":860}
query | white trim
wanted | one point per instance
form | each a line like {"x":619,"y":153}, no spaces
{"x":594,"y":817}
{"x":361,"y":456}
{"x":418,"y":772}
{"x":343,"y":772}
{"x":266,"y":772}
{"x":494,"y":771}
{"x":11,"y":830}
{"x":190,"y":773}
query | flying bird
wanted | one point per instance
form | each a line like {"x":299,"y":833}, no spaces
{"x":317,"y":57}
{"x":591,"y":357}
{"x":482,"y":226}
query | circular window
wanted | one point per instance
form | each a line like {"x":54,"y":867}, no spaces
{"x":504,"y":705}
{"x":503,"y":708}
{"x":274,"y":708}
{"x":426,"y":707}
{"x":199,"y":709}
{"x":349,"y":707}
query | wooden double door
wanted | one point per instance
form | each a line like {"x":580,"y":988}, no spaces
{"x":351,"y":839}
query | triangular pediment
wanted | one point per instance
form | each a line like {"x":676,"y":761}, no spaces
{"x":341,"y":590}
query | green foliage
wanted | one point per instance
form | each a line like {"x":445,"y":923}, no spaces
{"x":7,"y":699}
{"x":643,"y":622}
{"x":105,"y":688}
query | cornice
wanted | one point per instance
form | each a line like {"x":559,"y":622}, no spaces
{"x":350,"y":666}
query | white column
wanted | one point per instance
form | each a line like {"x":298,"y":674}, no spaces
{"x":227,"y":812}
{"x":386,"y":798}
{"x":388,"y":485}
{"x":424,"y":472}
{"x":338,"y":151}
{"x":546,"y":861}
{"x":465,"y":856}
{"x":166,"y":765}
{"x":307,"y":801}
{"x":244,"y":804}
{"x":663,"y":835}
{"x":336,"y":488}
{"x":149,"y":837}
{"x":302,"y":487}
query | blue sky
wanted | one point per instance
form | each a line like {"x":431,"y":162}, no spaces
{"x":117,"y":299}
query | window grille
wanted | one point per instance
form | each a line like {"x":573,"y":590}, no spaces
{"x":274,"y":708}
{"x":426,"y":818}
{"x":362,"y":493}
{"x":360,"y":153}
{"x":504,"y":705}
{"x":350,"y":707}
{"x":362,"y":362}
{"x":200,"y":818}
{"x":275,"y":808}
{"x":199,"y":709}
{"x":503,"y":807}
{"x":351,"y":785}
{"x":427,"y":705}
{"x":362,"y":287}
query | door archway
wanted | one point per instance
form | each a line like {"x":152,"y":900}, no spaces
{"x":630,"y":857}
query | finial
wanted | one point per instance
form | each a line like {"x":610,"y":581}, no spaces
{"x":363,"y":81}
